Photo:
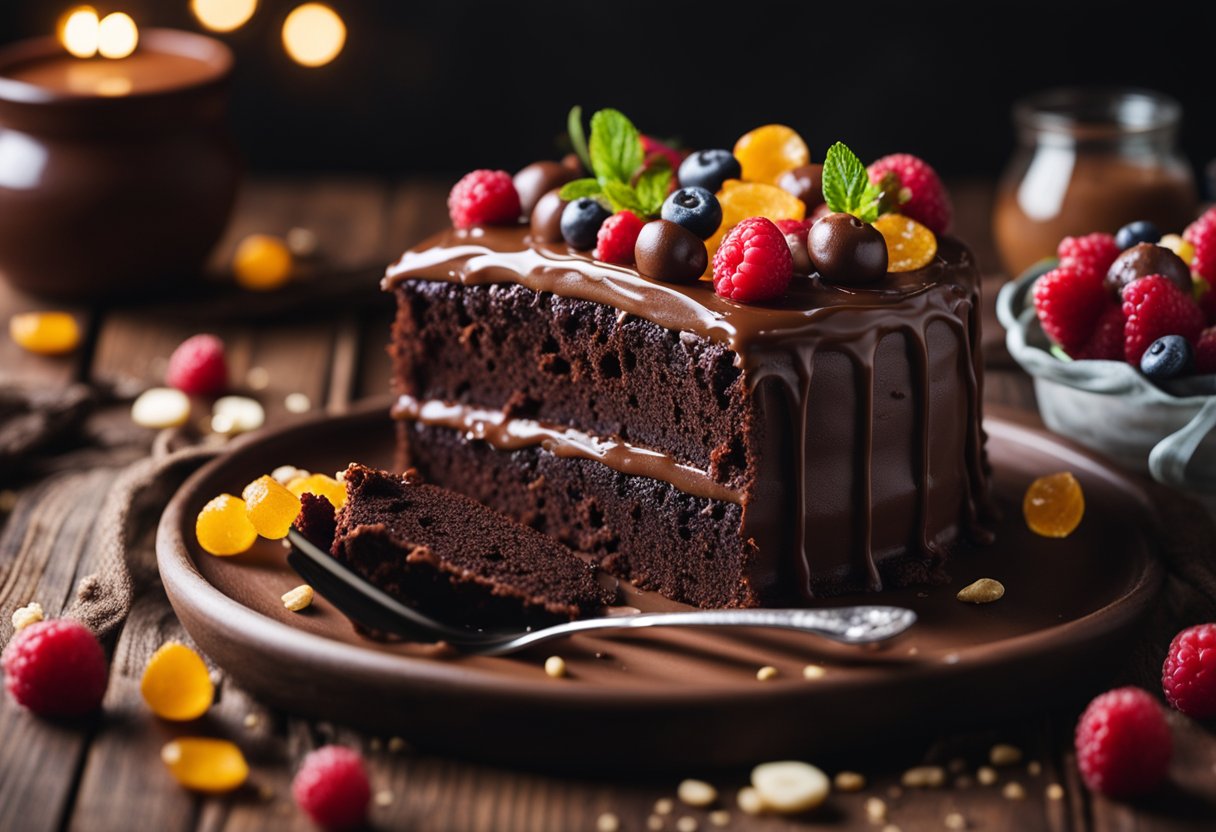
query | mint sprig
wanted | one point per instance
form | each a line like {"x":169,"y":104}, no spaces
{"x":846,"y":185}
{"x":623,"y":181}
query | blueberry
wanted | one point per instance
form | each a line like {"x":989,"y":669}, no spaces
{"x":1141,"y":231}
{"x":708,"y":169}
{"x":694,"y":208}
{"x":1167,"y":357}
{"x":581,"y":221}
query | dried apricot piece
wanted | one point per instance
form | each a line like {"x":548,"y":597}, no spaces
{"x":203,"y":764}
{"x":742,"y":200}
{"x":261,"y":263}
{"x":1054,"y":505}
{"x":176,"y":684}
{"x":45,"y":333}
{"x":322,"y":486}
{"x":223,"y":526}
{"x":271,"y":507}
{"x":910,"y":245}
{"x":769,"y":151}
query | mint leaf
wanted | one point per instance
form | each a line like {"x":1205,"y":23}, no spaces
{"x":580,"y":188}
{"x":846,"y":185}
{"x":578,"y":139}
{"x":616,"y":147}
{"x":652,"y":186}
{"x":623,"y":198}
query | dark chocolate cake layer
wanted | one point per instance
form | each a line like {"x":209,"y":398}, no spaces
{"x":452,"y":557}
{"x":843,"y":421}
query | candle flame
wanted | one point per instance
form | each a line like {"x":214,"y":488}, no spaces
{"x":223,"y":15}
{"x":84,"y":35}
{"x":313,"y":34}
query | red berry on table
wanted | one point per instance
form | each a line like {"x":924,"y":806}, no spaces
{"x":484,"y":197}
{"x":616,"y":238}
{"x":198,"y":367}
{"x":56,"y":668}
{"x":1154,"y":306}
{"x":928,"y":204}
{"x":1189,"y":674}
{"x":753,"y":264}
{"x":1106,"y":342}
{"x":1205,"y":352}
{"x":653,"y":147}
{"x":1123,"y":743}
{"x":1091,"y":255}
{"x":1069,"y":303}
{"x":332,"y":787}
{"x":1201,"y":234}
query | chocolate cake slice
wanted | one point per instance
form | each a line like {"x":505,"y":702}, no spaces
{"x":456,"y":559}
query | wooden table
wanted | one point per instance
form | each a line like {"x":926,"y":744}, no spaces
{"x":105,"y":773}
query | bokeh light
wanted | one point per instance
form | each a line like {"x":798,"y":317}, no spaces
{"x":223,"y":15}
{"x":117,"y":35}
{"x":313,"y":34}
{"x":78,"y":31}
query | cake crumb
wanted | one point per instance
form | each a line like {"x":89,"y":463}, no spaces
{"x":252,"y":720}
{"x":766,"y":673}
{"x":555,"y":667}
{"x":983,"y":591}
{"x":384,"y":798}
{"x":955,"y":820}
{"x":299,"y":598}
{"x":396,"y":744}
{"x":719,"y":817}
{"x":654,"y":823}
{"x":31,"y":613}
{"x":607,"y":822}
{"x":813,"y":671}
{"x":749,"y":801}
{"x":664,"y":806}
{"x":1055,"y":792}
{"x":849,"y":781}
{"x":696,"y":793}
{"x":876,"y":809}
{"x":686,"y":824}
{"x":924,"y":777}
{"x":1004,"y":754}
{"x":986,"y":775}
{"x":1013,"y":791}
{"x":1034,"y":768}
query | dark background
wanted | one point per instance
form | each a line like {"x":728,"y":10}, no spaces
{"x":448,"y":86}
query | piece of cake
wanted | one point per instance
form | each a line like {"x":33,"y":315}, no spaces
{"x":725,"y":454}
{"x":453,"y":558}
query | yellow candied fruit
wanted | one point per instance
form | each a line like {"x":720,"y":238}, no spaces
{"x":1054,"y":505}
{"x":203,"y":764}
{"x":322,"y":486}
{"x":223,"y":526}
{"x":910,"y":246}
{"x":261,"y":263}
{"x":271,"y":507}
{"x":45,"y":333}
{"x":176,"y":684}
{"x":1175,"y":243}
{"x":741,"y":200}
{"x":769,"y":151}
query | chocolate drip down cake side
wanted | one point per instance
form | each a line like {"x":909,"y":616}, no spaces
{"x":800,"y":425}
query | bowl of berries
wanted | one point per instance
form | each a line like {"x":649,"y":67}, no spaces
{"x":1119,"y":333}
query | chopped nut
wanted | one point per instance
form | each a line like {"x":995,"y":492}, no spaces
{"x":813,"y":671}
{"x":749,"y":801}
{"x":767,"y":672}
{"x":1055,"y":792}
{"x":298,"y":598}
{"x":384,"y":798}
{"x":986,"y":775}
{"x":686,"y":824}
{"x":654,"y":823}
{"x":251,"y":720}
{"x":849,"y":781}
{"x":719,"y":817}
{"x":297,"y":403}
{"x":236,"y":414}
{"x":1003,"y":754}
{"x":664,"y":806}
{"x":790,"y":786}
{"x":396,"y":744}
{"x":555,"y":667}
{"x":1013,"y":791}
{"x":924,"y":777}
{"x":696,"y":793}
{"x":1034,"y":768}
{"x":955,"y":820}
{"x":876,"y":810}
{"x":983,"y":591}
{"x":607,"y":822}
{"x":31,"y":613}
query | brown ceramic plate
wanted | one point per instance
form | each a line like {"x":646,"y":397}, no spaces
{"x":665,"y":700}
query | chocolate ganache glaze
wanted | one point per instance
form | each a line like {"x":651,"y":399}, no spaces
{"x":864,"y":451}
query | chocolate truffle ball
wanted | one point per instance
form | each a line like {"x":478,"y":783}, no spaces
{"x":1144,"y":259}
{"x":669,"y":252}
{"x":846,"y":250}
{"x":547,"y":218}
{"x":806,"y":183}
{"x":537,"y":179}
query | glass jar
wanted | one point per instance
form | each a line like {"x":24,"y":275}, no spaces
{"x":1090,"y":160}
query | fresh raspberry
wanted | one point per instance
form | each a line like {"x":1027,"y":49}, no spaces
{"x":1202,"y":235}
{"x":197,"y":367}
{"x":56,"y":668}
{"x":799,"y":227}
{"x":929,"y":204}
{"x":1106,"y":343}
{"x":1207,"y":301}
{"x":1069,"y":303}
{"x":753,"y":264}
{"x":1123,"y":743}
{"x":1189,"y":674}
{"x":616,"y":238}
{"x":1092,"y":254}
{"x":653,"y":147}
{"x":1205,"y":352}
{"x":484,"y":197}
{"x":1154,"y":306}
{"x":332,"y":787}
